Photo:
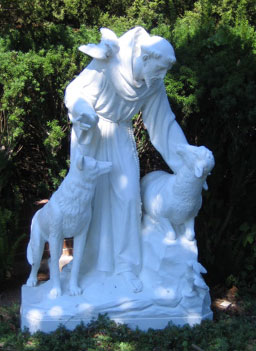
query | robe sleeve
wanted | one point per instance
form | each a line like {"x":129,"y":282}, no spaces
{"x":80,"y":98}
{"x":81,"y":94}
{"x":164,"y":131}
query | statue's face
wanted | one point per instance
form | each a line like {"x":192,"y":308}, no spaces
{"x":153,"y":61}
{"x":153,"y":70}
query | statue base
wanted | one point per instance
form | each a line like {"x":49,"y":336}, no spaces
{"x":39,"y":311}
{"x":104,"y":294}
{"x":173,"y":290}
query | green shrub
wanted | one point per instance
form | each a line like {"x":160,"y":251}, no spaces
{"x":228,"y":334}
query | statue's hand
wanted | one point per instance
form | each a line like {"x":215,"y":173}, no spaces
{"x":83,"y":116}
{"x":85,"y":121}
{"x":83,"y":126}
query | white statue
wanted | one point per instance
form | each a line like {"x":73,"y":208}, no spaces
{"x":175,"y":199}
{"x":140,"y":268}
{"x":125,"y":77}
{"x":67,"y":214}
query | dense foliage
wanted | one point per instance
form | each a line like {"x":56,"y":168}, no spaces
{"x":228,"y":333}
{"x":212,"y":91}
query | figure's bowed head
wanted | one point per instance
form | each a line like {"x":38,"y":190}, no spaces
{"x":155,"y":57}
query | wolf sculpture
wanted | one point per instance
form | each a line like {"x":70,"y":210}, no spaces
{"x":67,"y":214}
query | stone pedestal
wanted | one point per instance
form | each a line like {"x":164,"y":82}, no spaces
{"x":173,"y":291}
{"x":105,"y":295}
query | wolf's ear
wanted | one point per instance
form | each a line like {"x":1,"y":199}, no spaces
{"x":80,"y":163}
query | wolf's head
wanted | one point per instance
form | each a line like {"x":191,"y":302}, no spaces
{"x":92,"y":168}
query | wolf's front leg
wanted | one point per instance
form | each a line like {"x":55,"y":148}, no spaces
{"x":56,"y":243}
{"x":79,"y":245}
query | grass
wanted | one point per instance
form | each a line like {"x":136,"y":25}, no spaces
{"x":233,"y":329}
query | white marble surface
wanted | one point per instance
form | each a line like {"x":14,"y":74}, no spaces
{"x":124,"y":77}
{"x":169,"y":292}
{"x":130,"y":268}
{"x":175,"y":199}
{"x":40,"y":312}
{"x":67,"y":214}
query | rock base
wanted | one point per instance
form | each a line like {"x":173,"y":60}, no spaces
{"x":173,"y":290}
{"x":108,"y":294}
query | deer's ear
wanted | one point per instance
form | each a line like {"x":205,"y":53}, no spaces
{"x":199,"y":171}
{"x":80,"y":163}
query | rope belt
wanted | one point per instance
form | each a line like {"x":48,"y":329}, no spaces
{"x":115,"y":122}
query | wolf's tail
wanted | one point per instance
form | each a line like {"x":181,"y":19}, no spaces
{"x":29,"y":254}
{"x":32,"y":240}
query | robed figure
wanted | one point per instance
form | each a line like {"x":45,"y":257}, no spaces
{"x":124,"y":77}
